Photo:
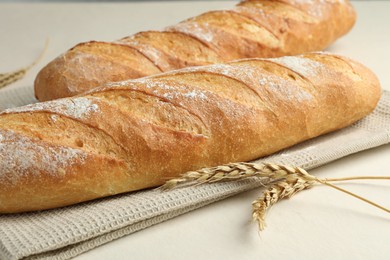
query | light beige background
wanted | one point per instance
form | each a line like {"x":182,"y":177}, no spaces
{"x":316,"y":224}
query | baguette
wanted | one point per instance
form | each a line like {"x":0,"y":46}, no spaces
{"x":252,"y":29}
{"x":136,"y":134}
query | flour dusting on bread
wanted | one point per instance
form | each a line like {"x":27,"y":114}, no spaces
{"x":79,"y":108}
{"x":305,"y":67}
{"x":155,"y":55}
{"x":201,"y":32}
{"x":21,"y":155}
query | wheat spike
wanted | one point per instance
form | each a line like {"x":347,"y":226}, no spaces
{"x":281,"y":190}
{"x":10,"y":77}
{"x":233,"y":171}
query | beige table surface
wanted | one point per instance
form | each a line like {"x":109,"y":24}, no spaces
{"x":317,"y":224}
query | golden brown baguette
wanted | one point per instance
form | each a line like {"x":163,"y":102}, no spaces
{"x":252,"y":29}
{"x":135,"y":134}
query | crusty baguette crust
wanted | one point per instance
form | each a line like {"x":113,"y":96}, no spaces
{"x":136,"y":134}
{"x":259,"y":28}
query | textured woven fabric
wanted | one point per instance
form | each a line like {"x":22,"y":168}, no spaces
{"x":67,"y":232}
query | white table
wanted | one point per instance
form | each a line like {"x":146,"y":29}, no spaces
{"x":317,"y":224}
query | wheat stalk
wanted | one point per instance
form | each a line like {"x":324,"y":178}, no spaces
{"x":289,"y":180}
{"x":10,"y":77}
